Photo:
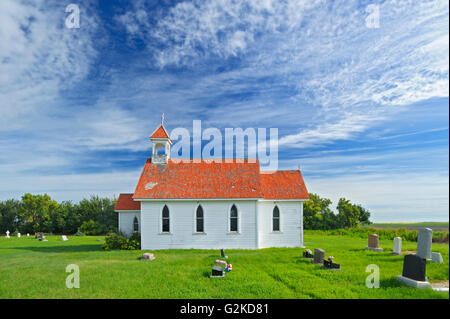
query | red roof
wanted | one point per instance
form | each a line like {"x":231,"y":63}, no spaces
{"x":202,"y":179}
{"x":283,"y":185}
{"x":160,"y":133}
{"x":126,"y":202}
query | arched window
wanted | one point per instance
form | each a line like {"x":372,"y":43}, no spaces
{"x":165,"y":220}
{"x":199,"y":219}
{"x":233,"y":218}
{"x":276,"y":219}
{"x":135,"y":224}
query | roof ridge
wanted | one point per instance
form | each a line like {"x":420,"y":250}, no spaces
{"x":159,"y":127}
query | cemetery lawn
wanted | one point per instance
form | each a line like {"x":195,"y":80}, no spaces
{"x":33,"y":269}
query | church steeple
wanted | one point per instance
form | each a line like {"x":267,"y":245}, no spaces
{"x":160,"y":144}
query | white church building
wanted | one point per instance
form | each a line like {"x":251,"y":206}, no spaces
{"x":205,"y":204}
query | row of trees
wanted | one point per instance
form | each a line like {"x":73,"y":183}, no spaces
{"x":96,"y":215}
{"x":35,"y":213}
{"x":317,"y":214}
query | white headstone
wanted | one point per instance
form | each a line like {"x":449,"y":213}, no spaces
{"x":424,"y":239}
{"x":18,"y":235}
{"x":397,"y":245}
{"x":28,"y":234}
{"x":7,"y":234}
{"x":64,"y":238}
{"x":148,"y":256}
{"x":436,"y":257}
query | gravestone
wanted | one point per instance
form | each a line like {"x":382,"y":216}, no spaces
{"x":18,"y":235}
{"x":397,"y":246}
{"x":436,"y":258}
{"x":221,"y":263}
{"x":41,"y":237}
{"x":414,"y":267}
{"x":7,"y":234}
{"x":414,"y":270}
{"x":319,"y":256}
{"x":329,"y":264}
{"x":148,"y":256}
{"x":217,"y":272}
{"x":373,"y":243}
{"x":222,"y":254}
{"x":424,"y":239}
{"x":28,"y":234}
{"x":64,"y":238}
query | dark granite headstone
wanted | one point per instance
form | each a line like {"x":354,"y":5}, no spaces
{"x":414,"y":267}
{"x":217,"y":271}
{"x":222,"y":253}
{"x":331,"y":265}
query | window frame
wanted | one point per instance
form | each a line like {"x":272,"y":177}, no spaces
{"x":136,"y":221}
{"x":196,"y":219}
{"x":163,"y":218}
{"x":279,"y":219}
{"x":238,"y":224}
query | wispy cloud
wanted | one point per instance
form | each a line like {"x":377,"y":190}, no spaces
{"x":38,"y":57}
{"x":322,"y":51}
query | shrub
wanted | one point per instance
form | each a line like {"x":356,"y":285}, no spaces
{"x":80,"y":233}
{"x":118,"y":241}
{"x":134,"y":242}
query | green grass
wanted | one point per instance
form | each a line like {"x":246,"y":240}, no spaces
{"x":33,"y":269}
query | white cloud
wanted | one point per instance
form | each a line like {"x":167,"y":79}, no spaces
{"x":38,"y":57}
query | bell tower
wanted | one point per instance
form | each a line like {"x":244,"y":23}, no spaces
{"x":160,"y":144}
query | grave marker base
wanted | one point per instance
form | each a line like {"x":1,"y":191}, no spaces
{"x":414,"y":283}
{"x":375,"y":249}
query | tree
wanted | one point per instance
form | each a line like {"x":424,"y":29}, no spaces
{"x":35,"y":212}
{"x":9,"y":212}
{"x":364,"y":215}
{"x":349,"y":214}
{"x":317,"y":213}
{"x":100,"y":210}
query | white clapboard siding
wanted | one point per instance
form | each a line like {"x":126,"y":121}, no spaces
{"x":255,"y":224}
{"x":126,"y":219}
{"x":182,"y":225}
{"x":290,"y":234}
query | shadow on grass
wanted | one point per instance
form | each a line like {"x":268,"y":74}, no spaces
{"x":299,"y":260}
{"x":390,"y":283}
{"x":62,"y":249}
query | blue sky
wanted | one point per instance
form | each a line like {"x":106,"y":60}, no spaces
{"x":363,"y":111}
